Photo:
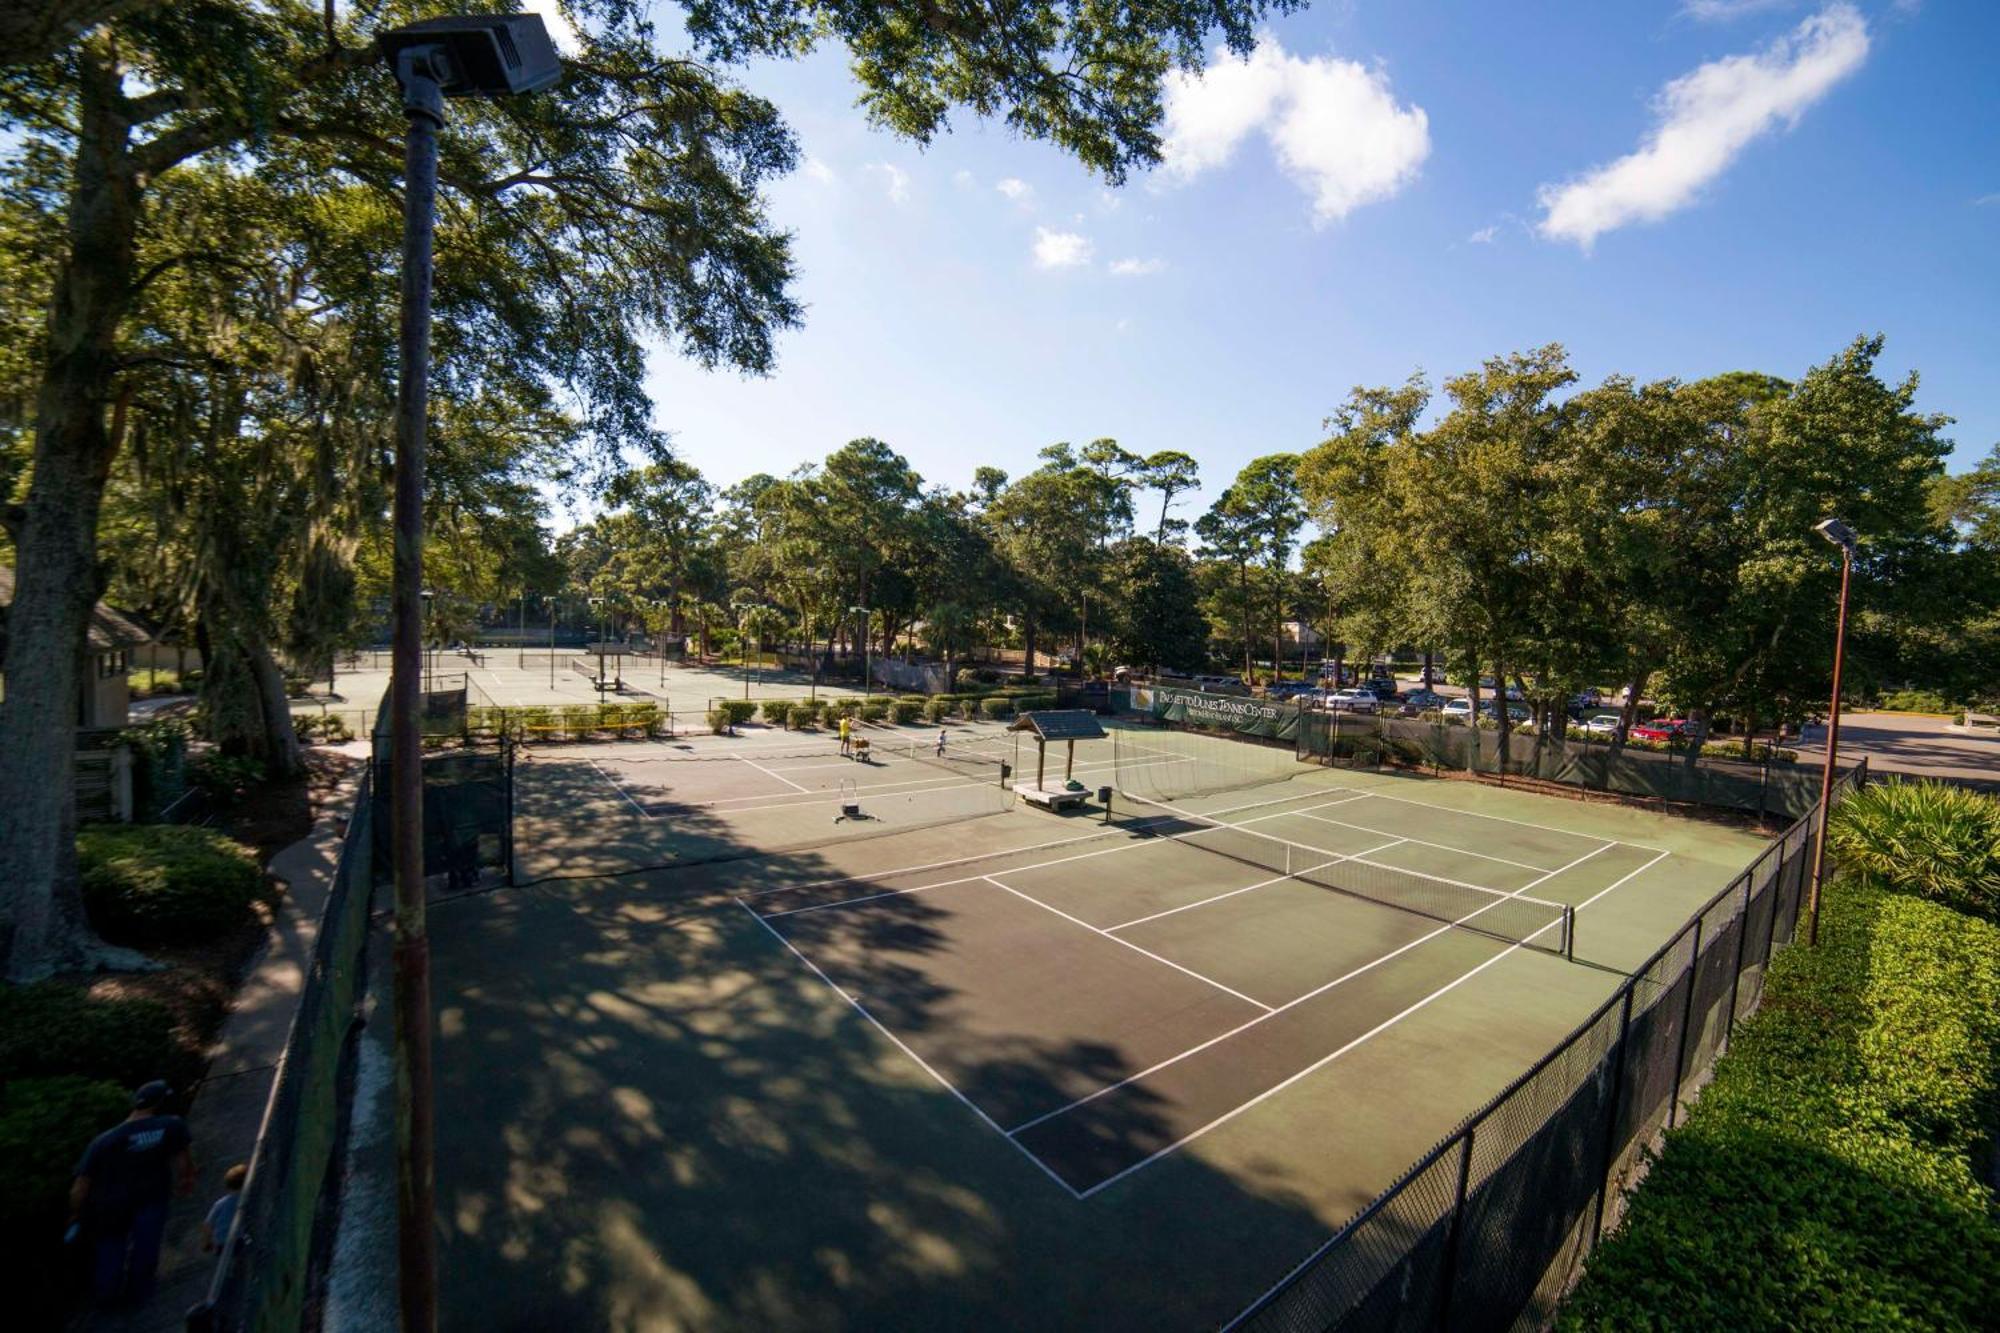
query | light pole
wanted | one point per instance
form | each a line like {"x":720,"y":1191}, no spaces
{"x":1842,"y":536}
{"x":429,"y":633}
{"x":476,"y":55}
{"x":598,"y":602}
{"x":867,"y":675}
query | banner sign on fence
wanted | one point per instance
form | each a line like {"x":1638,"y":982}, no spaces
{"x":1228,"y":712}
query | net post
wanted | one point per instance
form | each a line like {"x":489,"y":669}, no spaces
{"x":1687,"y":1020}
{"x":1569,"y":932}
{"x":1611,"y":1115}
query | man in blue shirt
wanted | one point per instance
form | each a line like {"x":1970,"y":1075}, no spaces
{"x":121,"y":1190}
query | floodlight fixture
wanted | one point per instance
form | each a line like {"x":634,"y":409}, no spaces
{"x":475,"y":55}
{"x":1838,"y":533}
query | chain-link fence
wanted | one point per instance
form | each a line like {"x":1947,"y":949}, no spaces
{"x":260,"y":1281}
{"x":1765,"y":787}
{"x":1489,"y":1228}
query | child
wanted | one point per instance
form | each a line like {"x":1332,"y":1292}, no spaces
{"x":940,"y":749}
{"x":222,"y":1214}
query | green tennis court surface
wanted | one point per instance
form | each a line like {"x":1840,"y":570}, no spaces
{"x":965,"y":1064}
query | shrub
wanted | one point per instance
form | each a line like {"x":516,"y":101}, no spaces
{"x":532,"y":723}
{"x":800,"y":716}
{"x":228,"y":775}
{"x":740,"y":710}
{"x":777,"y":710}
{"x":48,"y":1029}
{"x":940,"y":708}
{"x":1929,"y":839}
{"x":1844,"y":1132}
{"x":329,"y":728}
{"x":907,"y":710}
{"x":45,"y":1124}
{"x":579,"y":720}
{"x":973,"y":677}
{"x":149,"y":883}
{"x":996,"y":708}
{"x":719,"y":721}
{"x":1916,"y":701}
{"x":147,"y":682}
{"x":845,"y":706}
{"x":1028,"y":703}
{"x":873,"y":711}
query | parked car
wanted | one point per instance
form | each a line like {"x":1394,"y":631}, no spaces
{"x":1459,"y":709}
{"x":1382,"y":687}
{"x":1663,"y":729}
{"x":1587,"y":698}
{"x":1420,"y":701}
{"x":1353,"y":701}
{"x":1289,"y":689}
{"x":1223,"y":684}
{"x":1604,"y":724}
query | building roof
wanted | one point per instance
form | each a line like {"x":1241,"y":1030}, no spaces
{"x":110,"y":629}
{"x":1067,"y":724}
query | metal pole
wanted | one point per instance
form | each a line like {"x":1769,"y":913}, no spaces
{"x":1687,"y":1021}
{"x":1832,"y":748}
{"x":423,"y":105}
{"x":1611,"y":1114}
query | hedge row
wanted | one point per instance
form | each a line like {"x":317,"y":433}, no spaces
{"x":1830,"y":1176}
{"x":165,"y":883}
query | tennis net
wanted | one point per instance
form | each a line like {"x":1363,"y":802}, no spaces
{"x":980,"y":758}
{"x":585,"y":667}
{"x":1534,"y":923}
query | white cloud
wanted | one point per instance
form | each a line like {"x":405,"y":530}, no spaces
{"x":1017,"y":190}
{"x":1061,"y":249}
{"x":1706,"y":118}
{"x":1484,"y":236}
{"x":1986,"y":199}
{"x":896,"y":181}
{"x":963,"y":179}
{"x":561,"y":31}
{"x":819,"y":171}
{"x":1136,"y":268}
{"x":1336,"y":126}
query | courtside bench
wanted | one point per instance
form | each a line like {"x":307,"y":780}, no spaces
{"x":1053,"y":797}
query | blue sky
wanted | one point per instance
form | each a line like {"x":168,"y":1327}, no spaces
{"x":1749,"y":185}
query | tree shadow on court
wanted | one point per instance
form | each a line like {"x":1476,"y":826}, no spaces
{"x":652,"y":1115}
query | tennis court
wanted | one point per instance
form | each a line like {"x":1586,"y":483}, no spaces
{"x":961,"y":1063}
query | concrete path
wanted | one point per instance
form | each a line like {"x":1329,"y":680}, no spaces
{"x":229,"y":1103}
{"x":1911,"y":744}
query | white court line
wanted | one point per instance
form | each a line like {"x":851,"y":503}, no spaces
{"x":1103,"y":832}
{"x":1321,"y":990}
{"x":1331,"y":1056}
{"x":932,"y":783}
{"x":922,"y":1064}
{"x":769,"y":774}
{"x":1233,"y":892}
{"x":1131,"y":845}
{"x":1097,"y":930}
{"x":1524,"y":823}
{"x":620,"y":790}
{"x":1441,"y":846}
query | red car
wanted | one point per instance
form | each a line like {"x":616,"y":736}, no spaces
{"x":1663,"y":729}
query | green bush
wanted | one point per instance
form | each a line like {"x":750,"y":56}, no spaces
{"x":940,"y":708}
{"x":996,"y":708}
{"x":149,"y":682}
{"x":226,"y":774}
{"x":48,"y":1029}
{"x":719,"y":721}
{"x":740,"y":710}
{"x":907,"y":710}
{"x":1829,"y":1177}
{"x":328,"y":728}
{"x":45,"y":1124}
{"x":1930,"y":839}
{"x":970,"y":678}
{"x":845,"y":706}
{"x":1028,"y":703}
{"x":778,"y":711}
{"x":874,"y":711}
{"x":1916,"y":701}
{"x":801,"y":716}
{"x":153,"y":883}
{"x":579,"y":720}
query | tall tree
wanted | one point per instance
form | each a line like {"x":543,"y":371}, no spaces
{"x":626,"y":203}
{"x":1171,"y":473}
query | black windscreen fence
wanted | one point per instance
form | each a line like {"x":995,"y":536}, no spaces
{"x":1488,"y":1229}
{"x":1766,"y":787}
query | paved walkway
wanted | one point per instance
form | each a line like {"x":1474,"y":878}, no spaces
{"x":229,"y":1103}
